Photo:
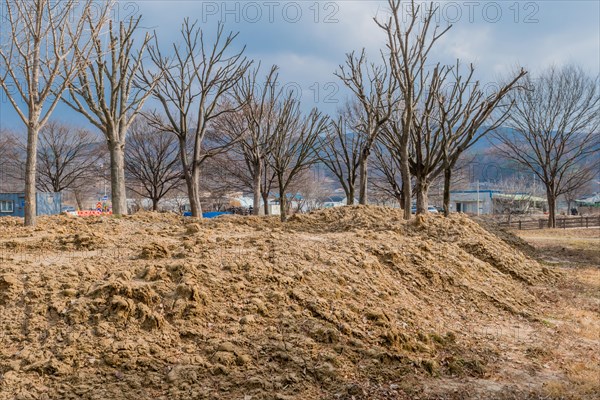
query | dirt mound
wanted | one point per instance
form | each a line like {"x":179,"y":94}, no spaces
{"x":328,"y":305}
{"x":506,"y":235}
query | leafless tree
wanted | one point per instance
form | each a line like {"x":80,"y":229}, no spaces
{"x":517,"y":197}
{"x":374,"y":89}
{"x":409,"y":45}
{"x":152,"y":162}
{"x":38,"y":37}
{"x":11,"y":171}
{"x":466,"y":114}
{"x":310,"y":190}
{"x":195,"y":81}
{"x":571,"y":196}
{"x":386,"y":167}
{"x":554,"y":130}
{"x":68,"y":158}
{"x":340,"y":151}
{"x":107,"y":91}
{"x":259,"y":102}
{"x":293,"y":145}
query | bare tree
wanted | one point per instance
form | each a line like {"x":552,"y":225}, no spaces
{"x":152,"y":162}
{"x":11,"y":171}
{"x":293,"y":146}
{"x":374,"y":88}
{"x":386,"y":167}
{"x":195,"y":80}
{"x":38,"y":38}
{"x":517,"y":197}
{"x":67,"y":157}
{"x":340,"y":151}
{"x":259,"y":107}
{"x":463,"y":110}
{"x":409,"y":48}
{"x":310,"y":190}
{"x":107,"y":92}
{"x":554,"y":130}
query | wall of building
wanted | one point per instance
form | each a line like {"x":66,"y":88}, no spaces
{"x":47,"y":204}
{"x":469,"y":200}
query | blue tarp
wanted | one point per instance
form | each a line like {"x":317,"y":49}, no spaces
{"x":212,"y":214}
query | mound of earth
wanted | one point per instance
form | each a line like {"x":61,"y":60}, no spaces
{"x":344,"y":303}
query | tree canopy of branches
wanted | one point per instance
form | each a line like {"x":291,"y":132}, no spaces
{"x":293,"y":145}
{"x":449,"y":120}
{"x":259,"y":106}
{"x":340,"y":149}
{"x":38,"y":38}
{"x":463,"y":111}
{"x":68,"y":158}
{"x":373,"y":87}
{"x":387,"y":179}
{"x":553,"y":130}
{"x":152,"y":162}
{"x":11,"y":177}
{"x":194,"y":83}
{"x":107,"y":92}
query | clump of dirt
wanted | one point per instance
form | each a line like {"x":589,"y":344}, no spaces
{"x":154,"y":251}
{"x":506,"y":235}
{"x":81,"y":241}
{"x":329,"y":305}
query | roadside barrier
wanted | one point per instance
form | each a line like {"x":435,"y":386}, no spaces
{"x":90,"y":213}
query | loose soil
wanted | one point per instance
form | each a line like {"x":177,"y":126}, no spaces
{"x":345,"y":303}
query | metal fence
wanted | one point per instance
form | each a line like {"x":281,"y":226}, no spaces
{"x":564,"y":223}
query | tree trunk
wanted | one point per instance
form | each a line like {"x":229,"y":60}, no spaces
{"x":194,"y":193}
{"x":30,"y":175}
{"x":265,"y":197}
{"x":78,"y":199}
{"x":362,"y":196}
{"x":192,"y":180}
{"x":154,"y":204}
{"x":551,"y":208}
{"x":350,"y":195}
{"x":265,"y":189}
{"x":117,"y":177}
{"x":256,"y":209}
{"x":283,"y":206}
{"x":447,"y":179}
{"x":422,"y":200}
{"x":406,"y":181}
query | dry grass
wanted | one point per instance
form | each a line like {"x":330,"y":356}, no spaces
{"x":577,"y":247}
{"x":575,"y":309}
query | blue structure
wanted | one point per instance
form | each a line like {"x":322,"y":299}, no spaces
{"x":13,"y":204}
{"x":211,"y":214}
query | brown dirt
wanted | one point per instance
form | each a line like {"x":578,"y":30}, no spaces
{"x":346,"y":303}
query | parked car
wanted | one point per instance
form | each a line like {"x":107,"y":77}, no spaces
{"x":430,"y":209}
{"x":67,"y":209}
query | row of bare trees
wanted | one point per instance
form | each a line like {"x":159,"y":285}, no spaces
{"x":200,"y":100}
{"x":418,"y":117}
{"x":72,"y":159}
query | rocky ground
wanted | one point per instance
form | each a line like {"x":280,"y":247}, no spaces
{"x":346,"y":303}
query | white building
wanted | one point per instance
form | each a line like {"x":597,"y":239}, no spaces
{"x":495,"y":202}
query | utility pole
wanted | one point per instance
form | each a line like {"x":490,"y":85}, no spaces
{"x":477,"y":198}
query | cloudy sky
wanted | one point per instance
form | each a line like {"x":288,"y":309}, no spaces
{"x":308,"y":39}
